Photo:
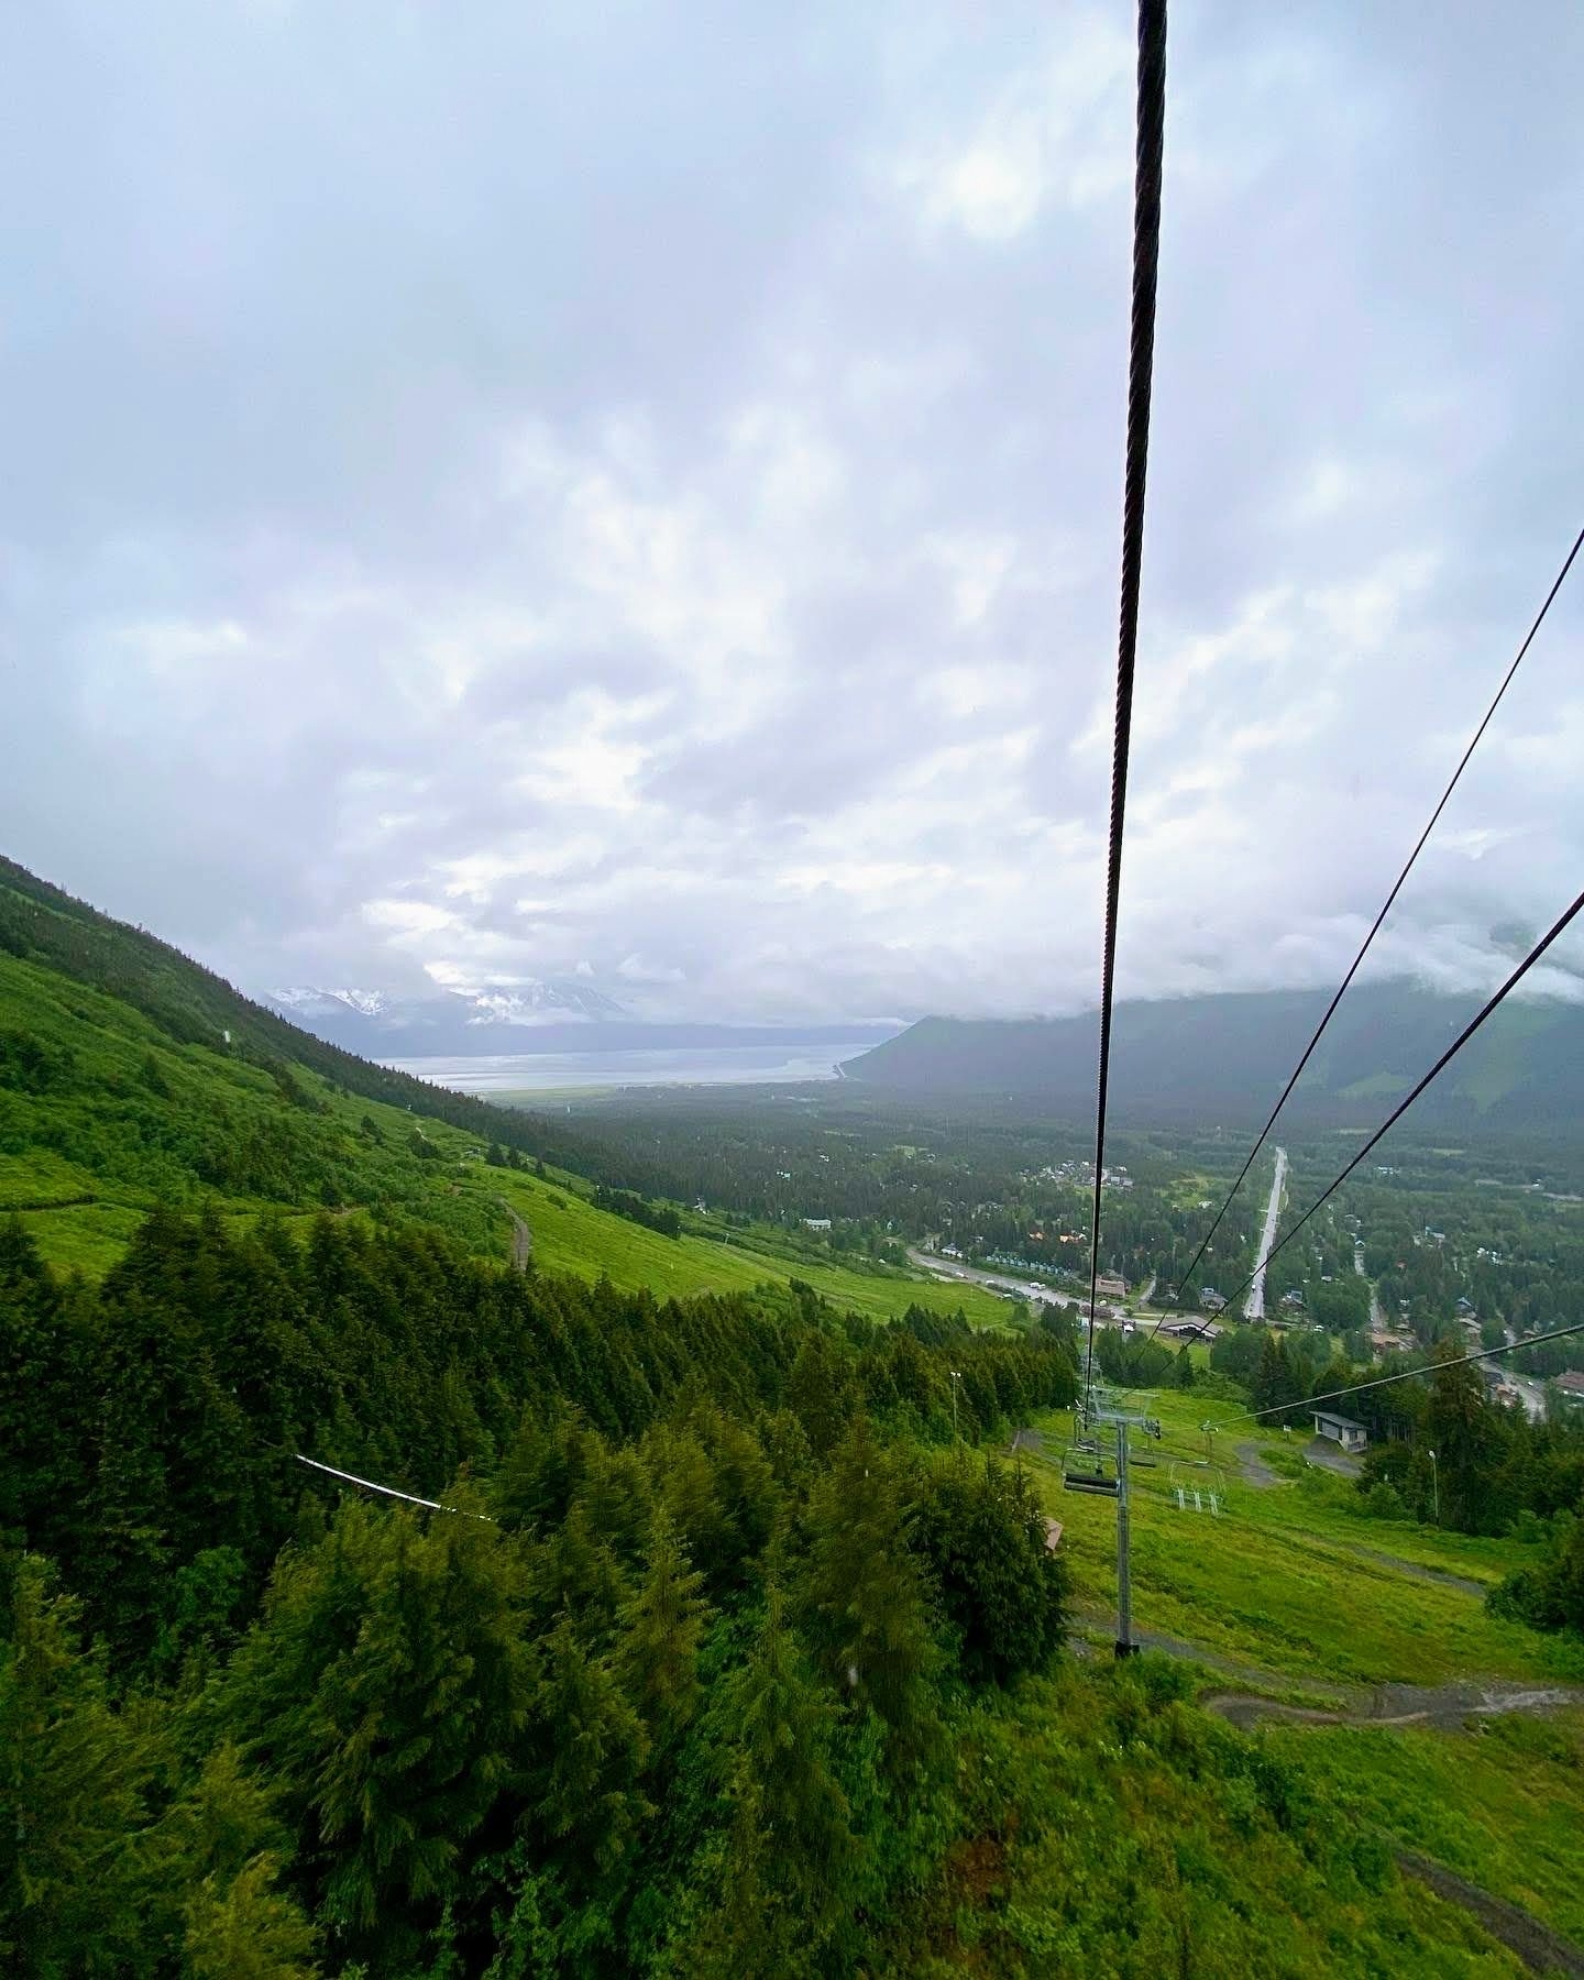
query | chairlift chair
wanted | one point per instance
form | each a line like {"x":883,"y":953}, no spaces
{"x":1084,"y":1469}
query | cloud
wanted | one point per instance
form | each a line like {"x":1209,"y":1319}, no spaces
{"x":1057,"y":131}
{"x":493,"y":499}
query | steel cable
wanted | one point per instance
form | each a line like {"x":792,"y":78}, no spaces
{"x":1375,"y":926}
{"x":1149,"y":159}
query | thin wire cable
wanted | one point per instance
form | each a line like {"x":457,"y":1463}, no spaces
{"x":1386,"y":908}
{"x":1149,"y":160}
{"x":1403,"y":1375}
{"x":390,"y":1491}
{"x":1556,"y":929}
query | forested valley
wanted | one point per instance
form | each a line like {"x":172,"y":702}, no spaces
{"x":733,"y":1620}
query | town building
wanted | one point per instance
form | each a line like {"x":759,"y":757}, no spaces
{"x":1341,"y":1430}
{"x":1190,"y":1328}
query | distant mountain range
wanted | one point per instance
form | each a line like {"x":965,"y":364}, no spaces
{"x":454,"y":1024}
{"x":1225,"y":1058}
{"x":556,"y":1016}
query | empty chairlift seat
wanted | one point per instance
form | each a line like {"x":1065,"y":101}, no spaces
{"x":1087,"y":1471}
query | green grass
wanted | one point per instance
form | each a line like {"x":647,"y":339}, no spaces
{"x":571,"y":1236}
{"x":131,"y":1118}
{"x":1288,"y":1593}
{"x":1501,"y":1803}
{"x":1286,"y":1580}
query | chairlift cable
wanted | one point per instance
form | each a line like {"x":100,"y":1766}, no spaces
{"x":1386,"y":907}
{"x":1402,"y":1375}
{"x":1149,"y":156}
{"x":1557,"y":928}
{"x":390,"y":1491}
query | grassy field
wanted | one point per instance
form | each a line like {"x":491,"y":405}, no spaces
{"x":1289,"y":1578}
{"x":113,"y":1116}
{"x":570,"y":1235}
{"x":1501,"y":1803}
{"x":1290,"y":1592}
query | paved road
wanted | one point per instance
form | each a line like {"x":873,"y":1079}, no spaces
{"x":1377,"y":1314}
{"x":951,"y":1268}
{"x":1254,"y":1305}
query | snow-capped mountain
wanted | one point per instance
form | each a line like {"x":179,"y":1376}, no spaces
{"x":530,"y":1003}
{"x":306,"y":998}
{"x":492,"y":1019}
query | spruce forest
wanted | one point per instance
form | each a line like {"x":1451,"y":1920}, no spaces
{"x":732,"y":1637}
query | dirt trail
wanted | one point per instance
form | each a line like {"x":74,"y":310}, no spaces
{"x":1439,"y":1577}
{"x":1322,"y":1452}
{"x":1101,"y":1622}
{"x":1540,"y":1949}
{"x":1255,"y":1470}
{"x":1447,"y":1707}
{"x":522,"y":1239}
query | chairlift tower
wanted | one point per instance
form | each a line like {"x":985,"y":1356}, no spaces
{"x":1098,"y":1414}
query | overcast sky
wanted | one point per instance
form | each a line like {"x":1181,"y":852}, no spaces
{"x":492,"y":491}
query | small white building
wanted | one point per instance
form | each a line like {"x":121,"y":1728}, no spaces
{"x":1341,"y":1430}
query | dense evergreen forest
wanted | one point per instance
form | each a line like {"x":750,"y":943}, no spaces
{"x":717,"y":1575}
{"x":726,"y":1657}
{"x":733,"y":1641}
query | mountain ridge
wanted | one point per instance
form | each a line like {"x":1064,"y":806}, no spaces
{"x":453,"y":1023}
{"x":461,"y":1025}
{"x":1226,"y":1057}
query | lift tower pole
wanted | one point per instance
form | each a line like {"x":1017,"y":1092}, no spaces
{"x":1122,"y":1421}
{"x":1125,"y":1646}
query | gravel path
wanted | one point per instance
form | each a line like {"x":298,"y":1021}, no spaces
{"x":522,"y":1239}
{"x":1448,"y":1707}
{"x":1463,"y":1583}
{"x":1330,"y":1457}
{"x":1255,"y":1470}
{"x":1540,"y":1949}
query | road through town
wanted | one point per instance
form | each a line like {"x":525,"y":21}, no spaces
{"x":1030,"y":1289}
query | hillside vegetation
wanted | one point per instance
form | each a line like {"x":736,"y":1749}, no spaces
{"x":112,"y":1103}
{"x":733,"y":1645}
{"x":1218,"y":1059}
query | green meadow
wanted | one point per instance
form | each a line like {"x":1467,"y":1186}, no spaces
{"x":103,"y":1114}
{"x":1288,"y":1591}
{"x":1290,"y":1579}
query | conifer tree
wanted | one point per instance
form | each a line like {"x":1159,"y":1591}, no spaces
{"x":585,"y":1798}
{"x":386,"y":1690}
{"x":74,"y":1782}
{"x":662,"y":1625}
{"x":863,"y":1593}
{"x":791,"y":1861}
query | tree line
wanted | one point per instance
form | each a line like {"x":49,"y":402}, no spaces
{"x":671,"y":1688}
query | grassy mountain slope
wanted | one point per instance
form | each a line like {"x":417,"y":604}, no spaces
{"x":190,"y":1005}
{"x":1292,"y":1590}
{"x":1225,"y":1058}
{"x":111,"y":1103}
{"x":1092,"y":1810}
